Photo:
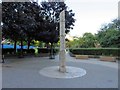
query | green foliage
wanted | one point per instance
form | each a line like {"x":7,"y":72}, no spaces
{"x":48,"y":31}
{"x":109,"y":35}
{"x":18,"y":20}
{"x":96,"y":51}
{"x":36,"y":50}
{"x":26,"y":21}
{"x":87,"y":41}
{"x":32,"y":51}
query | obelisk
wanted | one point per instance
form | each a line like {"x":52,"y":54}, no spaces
{"x":62,"y":66}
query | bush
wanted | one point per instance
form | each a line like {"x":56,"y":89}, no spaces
{"x":43,"y":50}
{"x":30,"y":51}
{"x":7,"y":51}
{"x":96,"y":51}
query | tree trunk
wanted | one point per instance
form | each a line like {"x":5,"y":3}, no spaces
{"x":21,"y":50}
{"x":15,"y":47}
{"x":2,"y":48}
{"x":47,"y":45}
{"x":2,"y":55}
{"x":29,"y":41}
{"x":51,"y":52}
{"x":21,"y":45}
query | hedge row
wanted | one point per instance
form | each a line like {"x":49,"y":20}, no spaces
{"x":32,"y":51}
{"x":96,"y":51}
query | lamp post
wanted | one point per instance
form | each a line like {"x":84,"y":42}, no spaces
{"x":62,"y":66}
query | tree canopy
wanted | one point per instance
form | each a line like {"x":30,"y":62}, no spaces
{"x":51,"y":12}
{"x":88,"y":40}
{"x":28,"y":21}
{"x":109,"y":35}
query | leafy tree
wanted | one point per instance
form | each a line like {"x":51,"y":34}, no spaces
{"x":26,"y":21}
{"x":32,"y":12}
{"x":20,"y":21}
{"x":50,"y":30}
{"x":109,"y":35}
{"x":11,"y":22}
{"x":89,"y":40}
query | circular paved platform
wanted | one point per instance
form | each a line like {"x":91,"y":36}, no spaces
{"x":53,"y":72}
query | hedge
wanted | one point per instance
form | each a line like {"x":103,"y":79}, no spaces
{"x":32,"y":51}
{"x":96,"y":51}
{"x":7,"y":51}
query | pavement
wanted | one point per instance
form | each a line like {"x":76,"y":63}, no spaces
{"x":24,"y":73}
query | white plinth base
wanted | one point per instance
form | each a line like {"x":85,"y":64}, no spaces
{"x":53,"y":72}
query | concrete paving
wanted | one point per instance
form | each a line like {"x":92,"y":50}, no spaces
{"x":54,"y":72}
{"x":24,"y":73}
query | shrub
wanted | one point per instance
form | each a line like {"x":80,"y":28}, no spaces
{"x":96,"y":51}
{"x":31,"y":51}
{"x":7,"y":51}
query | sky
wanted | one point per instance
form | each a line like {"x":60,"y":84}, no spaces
{"x":90,"y":15}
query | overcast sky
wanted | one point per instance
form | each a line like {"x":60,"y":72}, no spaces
{"x":91,"y":14}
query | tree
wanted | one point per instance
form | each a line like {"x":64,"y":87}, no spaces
{"x":51,"y":12}
{"x":11,"y":21}
{"x":26,"y":21}
{"x":32,"y":12}
{"x":109,"y":35}
{"x":20,"y":21}
{"x":89,"y":40}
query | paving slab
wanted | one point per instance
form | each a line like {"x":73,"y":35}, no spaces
{"x":24,"y":73}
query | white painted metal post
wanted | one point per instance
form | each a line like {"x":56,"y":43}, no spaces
{"x":62,"y":66}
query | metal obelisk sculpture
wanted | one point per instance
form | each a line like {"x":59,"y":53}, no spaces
{"x":62,"y":66}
